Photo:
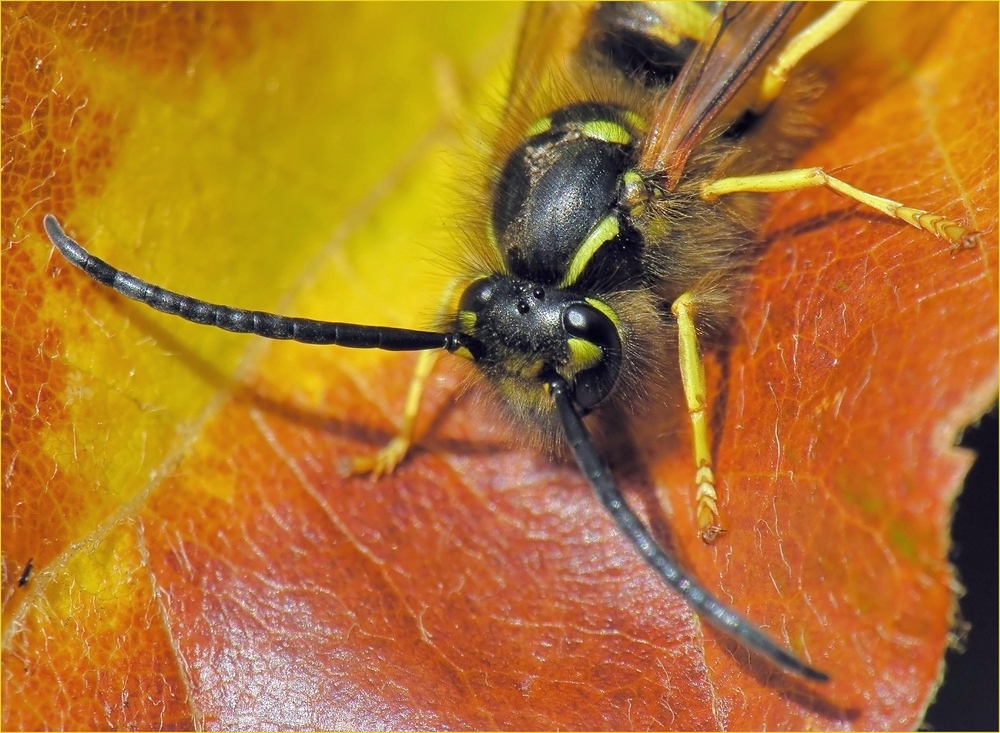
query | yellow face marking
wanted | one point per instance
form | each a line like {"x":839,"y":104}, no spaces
{"x":605,"y":231}
{"x":539,"y":126}
{"x":463,"y":352}
{"x":519,"y":366}
{"x":583,"y":354}
{"x":606,"y":310}
{"x":532,"y":369}
{"x":524,"y":396}
{"x":607,"y":131}
{"x":467,"y":321}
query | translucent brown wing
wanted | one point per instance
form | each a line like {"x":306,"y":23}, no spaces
{"x":745,"y":34}
{"x":550,"y":34}
{"x":553,"y":59}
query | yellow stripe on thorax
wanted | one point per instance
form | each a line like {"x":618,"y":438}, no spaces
{"x":605,"y":231}
{"x":607,"y":131}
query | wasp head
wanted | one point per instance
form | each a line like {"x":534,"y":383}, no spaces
{"x":519,"y":333}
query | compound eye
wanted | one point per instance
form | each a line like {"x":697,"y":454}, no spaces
{"x":585,"y":322}
{"x":477,"y":295}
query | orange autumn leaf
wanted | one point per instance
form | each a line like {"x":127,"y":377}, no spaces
{"x":200,"y":561}
{"x":863,"y":352}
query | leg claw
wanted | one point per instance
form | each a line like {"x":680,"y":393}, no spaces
{"x":711,"y":533}
{"x":381,"y":462}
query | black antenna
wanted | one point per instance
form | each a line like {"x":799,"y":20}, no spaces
{"x":356,"y":336}
{"x":708,"y":607}
{"x":259,"y":323}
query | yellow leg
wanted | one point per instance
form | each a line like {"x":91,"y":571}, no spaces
{"x":821,"y":29}
{"x":386,"y":459}
{"x":794,"y":180}
{"x":696,"y":396}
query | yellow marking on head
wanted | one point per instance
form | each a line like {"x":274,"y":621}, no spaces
{"x":539,"y":126}
{"x":467,"y":321}
{"x":583,"y":354}
{"x":606,"y":230}
{"x":532,"y":369}
{"x":463,"y":352}
{"x":519,"y":366}
{"x":606,"y":310}
{"x":525,"y":396}
{"x":606,"y":130}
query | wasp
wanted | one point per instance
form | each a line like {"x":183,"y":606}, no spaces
{"x":615,"y":225}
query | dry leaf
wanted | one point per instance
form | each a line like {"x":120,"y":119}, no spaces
{"x":199,"y":560}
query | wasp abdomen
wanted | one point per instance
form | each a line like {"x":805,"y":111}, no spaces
{"x":627,"y":37}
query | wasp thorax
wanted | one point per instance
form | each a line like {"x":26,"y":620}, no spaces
{"x":524,"y":331}
{"x":558,"y":213}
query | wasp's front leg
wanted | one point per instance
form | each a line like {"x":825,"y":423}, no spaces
{"x":388,"y":457}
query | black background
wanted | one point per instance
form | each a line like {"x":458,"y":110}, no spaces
{"x":968,"y":698}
